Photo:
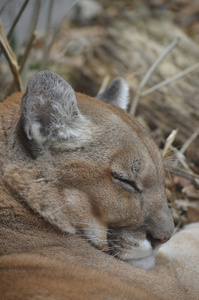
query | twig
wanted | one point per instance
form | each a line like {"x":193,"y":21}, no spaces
{"x":170,"y":80}
{"x":27,"y":50}
{"x":148,"y":74}
{"x":184,"y":173}
{"x":46,"y":52}
{"x":11,"y":58}
{"x":177,"y":228}
{"x":32,"y":35}
{"x":182,"y":160}
{"x":71,"y":5}
{"x":169,"y":141}
{"x":104,"y":84}
{"x":3,"y":7}
{"x":189,"y":141}
{"x":57,"y":29}
{"x":129,"y":77}
{"x":55,"y":34}
{"x":17,"y":19}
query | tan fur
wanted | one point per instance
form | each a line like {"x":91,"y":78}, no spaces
{"x":46,"y":202}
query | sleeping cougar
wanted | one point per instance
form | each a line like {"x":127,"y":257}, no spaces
{"x":82,"y":194}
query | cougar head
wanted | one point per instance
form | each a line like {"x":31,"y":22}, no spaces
{"x":88,"y":168}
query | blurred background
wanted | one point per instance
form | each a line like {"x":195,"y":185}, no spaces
{"x":89,"y":42}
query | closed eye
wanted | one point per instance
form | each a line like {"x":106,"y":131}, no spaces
{"x":126,"y":181}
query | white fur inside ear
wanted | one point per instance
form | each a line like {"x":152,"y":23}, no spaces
{"x":123,"y":95}
{"x":34,"y":133}
{"x":116,"y":94}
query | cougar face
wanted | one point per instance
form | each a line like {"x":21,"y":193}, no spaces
{"x":88,"y":168}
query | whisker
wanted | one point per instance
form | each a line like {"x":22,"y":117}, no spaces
{"x":168,"y":161}
{"x":171,"y":150}
{"x":57,"y":209}
{"x":86,"y":229}
{"x":112,"y":256}
{"x":95,"y":239}
{"x":86,"y":223}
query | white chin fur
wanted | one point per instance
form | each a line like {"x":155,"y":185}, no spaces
{"x":144,"y":263}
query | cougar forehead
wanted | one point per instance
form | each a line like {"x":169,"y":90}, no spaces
{"x":117,"y":132}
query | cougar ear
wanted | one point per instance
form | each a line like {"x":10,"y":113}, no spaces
{"x":116,"y":94}
{"x":49,"y":112}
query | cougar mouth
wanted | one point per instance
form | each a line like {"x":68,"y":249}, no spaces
{"x":131,"y":249}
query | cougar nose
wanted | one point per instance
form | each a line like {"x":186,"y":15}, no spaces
{"x":155,"y":241}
